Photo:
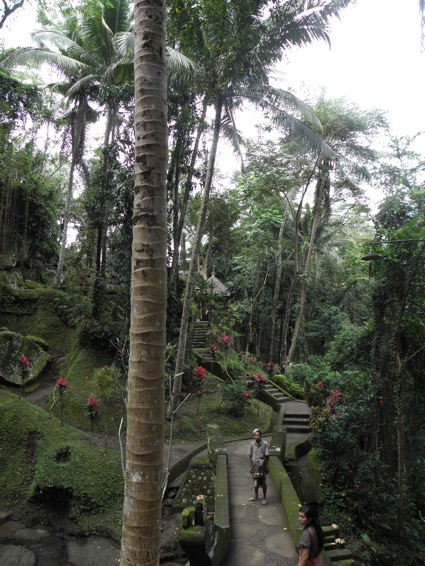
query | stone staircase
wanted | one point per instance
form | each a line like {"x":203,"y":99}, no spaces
{"x":297,"y":422}
{"x":200,"y":334}
{"x":335,"y":548}
{"x":296,"y":415}
{"x":278,"y":395}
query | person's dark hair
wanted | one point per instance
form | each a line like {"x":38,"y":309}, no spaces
{"x":311,"y":511}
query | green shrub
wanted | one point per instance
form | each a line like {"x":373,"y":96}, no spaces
{"x":236,"y":397}
{"x":289,"y":385}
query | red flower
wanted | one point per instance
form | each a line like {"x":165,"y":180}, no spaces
{"x":225,"y":340}
{"x":356,"y":486}
{"x":105,"y":368}
{"x":91,"y":402}
{"x":61,"y":382}
{"x":320,"y":384}
{"x":213,"y":347}
{"x":259,"y":377}
{"x":199,"y":372}
{"x":199,"y":392}
{"x":23,"y":359}
{"x":380,"y":402}
{"x":270,"y":366}
{"x":245,"y":394}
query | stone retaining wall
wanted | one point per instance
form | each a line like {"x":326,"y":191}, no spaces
{"x":206,"y":544}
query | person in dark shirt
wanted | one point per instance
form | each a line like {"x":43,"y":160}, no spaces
{"x":311,"y":540}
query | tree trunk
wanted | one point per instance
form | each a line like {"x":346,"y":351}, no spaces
{"x":78,"y":136}
{"x":184,"y":325}
{"x":183,"y":207}
{"x":145,"y":406}
{"x":58,"y":278}
{"x":322,"y":186}
{"x":289,"y":299}
{"x":277,"y":282}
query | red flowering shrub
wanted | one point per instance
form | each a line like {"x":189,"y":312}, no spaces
{"x":316,"y":394}
{"x":236,"y":397}
{"x":199,"y":372}
{"x":61,"y":384}
{"x":224,"y":339}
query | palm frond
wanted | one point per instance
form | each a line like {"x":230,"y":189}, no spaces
{"x":116,"y":15}
{"x":291,"y":26}
{"x":280,"y":96}
{"x":124,"y":45}
{"x":230,"y":132}
{"x":119,"y":72}
{"x":84,"y":84}
{"x":97,"y":36}
{"x":63,"y":64}
{"x":65,"y":45}
{"x":299,"y":132}
{"x":180,"y":67}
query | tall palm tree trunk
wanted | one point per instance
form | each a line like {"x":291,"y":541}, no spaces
{"x":59,"y":270}
{"x":290,"y":295}
{"x":145,"y":405}
{"x":322,"y":185}
{"x":78,"y":136}
{"x":277,"y":283}
{"x":184,"y":324}
{"x":187,"y":190}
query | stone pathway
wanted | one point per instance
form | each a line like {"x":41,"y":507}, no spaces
{"x":260,"y":533}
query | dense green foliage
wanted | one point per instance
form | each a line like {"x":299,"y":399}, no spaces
{"x":286,"y":237}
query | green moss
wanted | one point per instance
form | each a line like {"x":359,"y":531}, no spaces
{"x":44,"y":323}
{"x":39,"y":457}
{"x":81,"y":366}
{"x":37,"y":340}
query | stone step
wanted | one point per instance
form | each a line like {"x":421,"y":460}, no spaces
{"x":299,"y":429}
{"x":297,"y":421}
{"x":297,"y":415}
{"x":330,"y":532}
{"x":339,"y":555}
{"x":333,"y":546}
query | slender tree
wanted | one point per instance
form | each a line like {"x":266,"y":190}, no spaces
{"x":145,"y":405}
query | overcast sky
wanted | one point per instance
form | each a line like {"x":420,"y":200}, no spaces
{"x":375,"y":60}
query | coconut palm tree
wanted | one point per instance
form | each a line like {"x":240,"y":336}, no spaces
{"x":145,"y":405}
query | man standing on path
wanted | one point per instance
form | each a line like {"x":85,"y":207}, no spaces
{"x":259,"y":464}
